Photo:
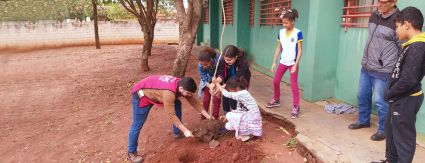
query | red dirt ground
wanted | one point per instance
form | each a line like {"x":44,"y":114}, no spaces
{"x":73,"y":105}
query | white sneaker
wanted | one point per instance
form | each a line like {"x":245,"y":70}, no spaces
{"x":244,"y":137}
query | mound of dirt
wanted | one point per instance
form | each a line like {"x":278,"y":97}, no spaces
{"x":191,"y":150}
{"x":208,"y":130}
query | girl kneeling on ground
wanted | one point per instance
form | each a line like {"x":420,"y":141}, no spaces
{"x":246,"y":119}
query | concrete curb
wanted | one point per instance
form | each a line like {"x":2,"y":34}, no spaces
{"x":304,"y":140}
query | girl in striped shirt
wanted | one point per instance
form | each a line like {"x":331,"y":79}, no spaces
{"x":246,"y":118}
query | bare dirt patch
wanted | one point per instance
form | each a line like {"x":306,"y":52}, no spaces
{"x":73,"y":104}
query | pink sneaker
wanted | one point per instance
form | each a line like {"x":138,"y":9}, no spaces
{"x":273,"y":103}
{"x":295,"y":112}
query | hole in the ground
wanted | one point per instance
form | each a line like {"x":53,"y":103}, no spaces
{"x":289,"y":126}
{"x":291,"y":129}
{"x":188,"y":157}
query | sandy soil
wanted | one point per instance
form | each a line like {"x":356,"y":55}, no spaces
{"x":73,"y":105}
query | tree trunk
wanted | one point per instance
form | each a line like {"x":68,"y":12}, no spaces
{"x":151,"y":36}
{"x":188,"y":27}
{"x":96,"y":28}
{"x":145,"y":12}
{"x":183,"y":55}
{"x":146,"y":51}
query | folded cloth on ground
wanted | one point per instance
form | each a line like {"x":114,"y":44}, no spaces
{"x":339,"y":109}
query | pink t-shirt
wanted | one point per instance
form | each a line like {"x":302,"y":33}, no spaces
{"x":158,"y":82}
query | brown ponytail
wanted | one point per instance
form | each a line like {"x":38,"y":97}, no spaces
{"x":290,"y":14}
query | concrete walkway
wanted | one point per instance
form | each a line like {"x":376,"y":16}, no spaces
{"x":325,"y":135}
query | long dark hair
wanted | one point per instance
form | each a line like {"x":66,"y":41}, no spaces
{"x":232,"y":51}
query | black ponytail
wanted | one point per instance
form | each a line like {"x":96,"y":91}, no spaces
{"x":290,"y":14}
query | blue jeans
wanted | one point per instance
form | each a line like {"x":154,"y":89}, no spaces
{"x":372,"y":85}
{"x":139,"y":118}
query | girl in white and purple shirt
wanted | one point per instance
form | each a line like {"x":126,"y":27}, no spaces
{"x":246,"y":119}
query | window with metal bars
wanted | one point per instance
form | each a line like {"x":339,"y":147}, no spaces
{"x":205,"y":10}
{"x":270,"y":11}
{"x":251,"y":12}
{"x":228,"y":11}
{"x":356,"y":13}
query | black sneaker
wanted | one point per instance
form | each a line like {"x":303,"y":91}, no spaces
{"x":378,"y":136}
{"x":381,"y":161}
{"x":357,"y":126}
{"x":273,"y":103}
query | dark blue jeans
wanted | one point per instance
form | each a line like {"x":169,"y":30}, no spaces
{"x":371,"y":85}
{"x":139,"y":118}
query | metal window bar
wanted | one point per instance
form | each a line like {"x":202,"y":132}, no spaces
{"x":270,"y":11}
{"x":356,"y":14}
{"x":205,"y":10}
{"x":251,"y":12}
{"x":228,"y":11}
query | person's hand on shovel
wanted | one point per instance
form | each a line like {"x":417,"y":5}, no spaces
{"x":213,"y":90}
{"x":211,"y":86}
{"x":218,"y":89}
{"x":217,"y":93}
{"x":216,"y":80}
{"x":222,"y":118}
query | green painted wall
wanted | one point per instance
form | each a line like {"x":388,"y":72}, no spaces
{"x":420,"y":4}
{"x":303,"y":7}
{"x":322,"y":51}
{"x":206,"y":34}
{"x":200,"y":33}
{"x":229,"y":36}
{"x":348,"y":68}
{"x":238,"y":32}
{"x":241,"y":23}
{"x":215,"y":20}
